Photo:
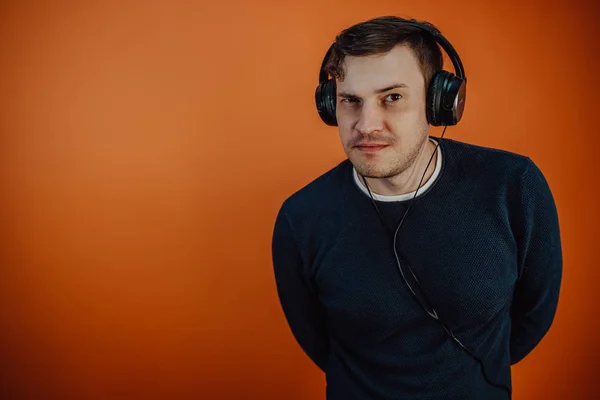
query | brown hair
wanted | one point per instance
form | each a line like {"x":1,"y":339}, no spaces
{"x":380,"y":35}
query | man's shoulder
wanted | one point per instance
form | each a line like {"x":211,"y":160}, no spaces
{"x":487,"y":160}
{"x":321,"y":192}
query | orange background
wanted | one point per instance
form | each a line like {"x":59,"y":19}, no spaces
{"x":146,"y":148}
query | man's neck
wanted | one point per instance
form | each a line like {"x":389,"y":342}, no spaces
{"x":407,"y":181}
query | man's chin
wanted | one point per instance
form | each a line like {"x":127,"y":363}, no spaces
{"x":371,"y":170}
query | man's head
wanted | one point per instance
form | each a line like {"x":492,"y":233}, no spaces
{"x":382,"y":70}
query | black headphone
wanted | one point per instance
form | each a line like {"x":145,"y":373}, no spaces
{"x":446,"y":93}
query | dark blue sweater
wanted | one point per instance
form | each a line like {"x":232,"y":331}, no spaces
{"x":484,"y":242}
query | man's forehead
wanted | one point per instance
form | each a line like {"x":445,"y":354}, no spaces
{"x":373,"y":72}
{"x":348,"y":92}
{"x":373,"y":83}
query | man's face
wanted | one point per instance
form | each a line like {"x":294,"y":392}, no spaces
{"x":381,"y":112}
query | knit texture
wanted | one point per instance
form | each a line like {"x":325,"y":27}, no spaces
{"x":484,"y":243}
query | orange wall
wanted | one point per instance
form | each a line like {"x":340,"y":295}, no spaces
{"x":145,"y":149}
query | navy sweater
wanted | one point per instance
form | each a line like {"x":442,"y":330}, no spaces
{"x":483,"y":241}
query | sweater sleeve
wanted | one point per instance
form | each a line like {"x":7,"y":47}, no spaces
{"x":301,"y":307}
{"x":540,"y":266}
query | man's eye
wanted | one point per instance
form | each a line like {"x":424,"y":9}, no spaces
{"x":394,"y":97}
{"x":349,"y":100}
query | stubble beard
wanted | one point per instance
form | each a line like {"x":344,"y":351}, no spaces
{"x":391,"y":165}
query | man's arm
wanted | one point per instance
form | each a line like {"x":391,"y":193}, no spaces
{"x":540,"y":265}
{"x":304,"y":313}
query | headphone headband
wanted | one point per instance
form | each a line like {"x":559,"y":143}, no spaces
{"x":446,"y":45}
{"x":437,"y":35}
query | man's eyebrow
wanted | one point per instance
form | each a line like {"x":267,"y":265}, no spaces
{"x":385,"y":89}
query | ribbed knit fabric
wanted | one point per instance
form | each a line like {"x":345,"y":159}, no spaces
{"x":483,"y":241}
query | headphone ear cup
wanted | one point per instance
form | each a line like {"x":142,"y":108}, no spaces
{"x":445,"y":99}
{"x":325,"y":97}
{"x":434,"y":98}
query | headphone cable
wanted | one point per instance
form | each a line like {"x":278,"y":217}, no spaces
{"x":430,"y":310}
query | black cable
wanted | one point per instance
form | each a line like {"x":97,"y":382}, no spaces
{"x":429,"y":309}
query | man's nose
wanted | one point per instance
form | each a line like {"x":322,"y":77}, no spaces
{"x":370,"y":119}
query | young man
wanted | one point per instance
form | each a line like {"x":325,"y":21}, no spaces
{"x":436,"y":303}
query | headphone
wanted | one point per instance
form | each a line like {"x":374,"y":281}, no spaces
{"x":446,"y":93}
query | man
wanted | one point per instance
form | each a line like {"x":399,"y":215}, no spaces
{"x":443,"y":306}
